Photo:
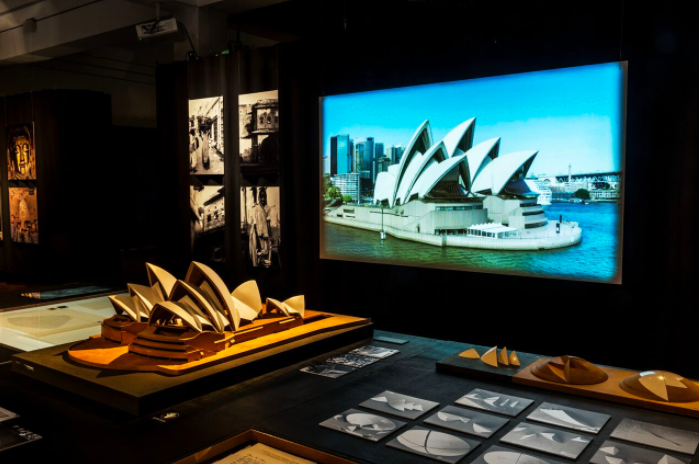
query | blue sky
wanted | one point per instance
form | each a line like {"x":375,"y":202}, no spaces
{"x":571,"y":116}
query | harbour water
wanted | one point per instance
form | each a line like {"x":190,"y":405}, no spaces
{"x":595,"y":258}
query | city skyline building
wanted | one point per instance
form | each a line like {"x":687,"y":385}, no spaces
{"x":365,"y":156}
{"x":340,"y":154}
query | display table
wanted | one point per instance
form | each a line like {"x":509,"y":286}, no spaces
{"x":284,"y":403}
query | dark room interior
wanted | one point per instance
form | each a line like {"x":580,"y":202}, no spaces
{"x":208,"y":200}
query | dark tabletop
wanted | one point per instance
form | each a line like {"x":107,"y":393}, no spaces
{"x":286,"y":403}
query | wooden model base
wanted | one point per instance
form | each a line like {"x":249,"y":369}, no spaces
{"x":608,"y":390}
{"x":149,"y":352}
{"x":139,"y":392}
{"x":458,"y":365}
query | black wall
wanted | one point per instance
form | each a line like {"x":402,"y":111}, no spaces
{"x":75,"y":185}
{"x":647,"y":322}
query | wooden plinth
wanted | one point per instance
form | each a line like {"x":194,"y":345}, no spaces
{"x":141,"y":391}
{"x":608,"y":390}
{"x":457,"y":365}
{"x":269,"y":334}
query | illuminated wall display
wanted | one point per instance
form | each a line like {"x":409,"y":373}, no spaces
{"x":518,"y":174}
{"x":24,"y":216}
{"x":21,"y":156}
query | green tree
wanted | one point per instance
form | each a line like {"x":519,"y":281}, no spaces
{"x":346,"y":198}
{"x":583,"y":194}
{"x":326,"y":183}
{"x":333,"y":193}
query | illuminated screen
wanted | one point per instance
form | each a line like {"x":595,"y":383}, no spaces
{"x":519,"y":174}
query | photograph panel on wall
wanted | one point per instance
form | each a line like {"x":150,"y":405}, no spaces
{"x":519,"y":174}
{"x":260,"y":225}
{"x":206,"y":136}
{"x":259,"y":145}
{"x":24,"y":215}
{"x":207,"y":222}
{"x":21,"y":153}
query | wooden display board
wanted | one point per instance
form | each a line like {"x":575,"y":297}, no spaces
{"x":104,"y":354}
{"x":608,"y":390}
{"x":138,"y":392}
{"x":221,"y":449}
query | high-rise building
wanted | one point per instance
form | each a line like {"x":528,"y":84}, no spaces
{"x":378,"y":157}
{"x":382,"y":164}
{"x":397,"y":153}
{"x":365,"y":156}
{"x":378,"y":150}
{"x":351,"y":156}
{"x":340,"y":155}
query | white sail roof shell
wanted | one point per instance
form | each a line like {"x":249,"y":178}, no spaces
{"x":422,"y":132}
{"x":417,"y":167}
{"x":383,"y":190}
{"x":495,"y":175}
{"x":455,"y":136}
{"x":480,"y":167}
{"x":439,"y":171}
{"x":478,"y":156}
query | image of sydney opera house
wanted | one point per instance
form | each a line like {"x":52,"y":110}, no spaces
{"x":517,"y":174}
{"x":451,"y":193}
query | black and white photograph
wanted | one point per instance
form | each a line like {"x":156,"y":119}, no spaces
{"x":547,"y":440}
{"x":15,"y":436}
{"x":328,"y":370}
{"x":364,"y":425}
{"x":258,"y":117}
{"x":352,"y":360}
{"x":467,"y":421}
{"x":570,"y":418}
{"x":619,"y":453}
{"x":260,"y":225}
{"x":494,"y":402}
{"x":657,"y":435}
{"x":375,"y":351}
{"x":440,"y":446}
{"x":501,"y":455}
{"x":399,"y":405}
{"x":6,"y":415}
{"x":207,"y":222}
{"x":206,"y":136}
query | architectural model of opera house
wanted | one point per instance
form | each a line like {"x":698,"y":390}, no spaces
{"x":173,"y":326}
{"x":451,"y":193}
